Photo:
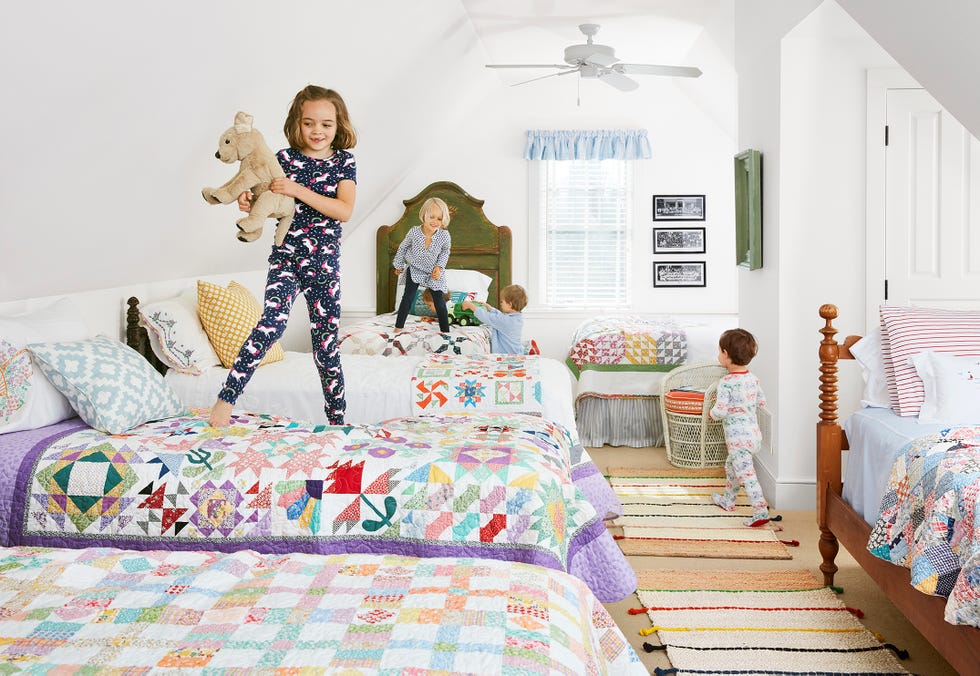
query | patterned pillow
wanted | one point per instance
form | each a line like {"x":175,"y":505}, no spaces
{"x":420,"y":309}
{"x":176,"y":335}
{"x":228,"y":316}
{"x":110,"y":385}
{"x":16,"y":379}
{"x":907,"y":331}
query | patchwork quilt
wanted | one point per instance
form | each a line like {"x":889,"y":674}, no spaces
{"x":929,"y":521}
{"x":377,"y":336}
{"x":483,"y":383}
{"x":106,"y":610}
{"x":627,"y":343}
{"x":491,"y":486}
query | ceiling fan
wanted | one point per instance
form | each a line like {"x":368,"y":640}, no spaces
{"x":595,"y":61}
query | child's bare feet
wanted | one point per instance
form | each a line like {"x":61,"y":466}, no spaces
{"x":220,"y":414}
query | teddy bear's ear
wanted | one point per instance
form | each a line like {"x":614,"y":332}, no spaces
{"x":243,"y":122}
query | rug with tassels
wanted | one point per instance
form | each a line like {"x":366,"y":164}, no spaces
{"x":757,"y":622}
{"x":669,"y":512}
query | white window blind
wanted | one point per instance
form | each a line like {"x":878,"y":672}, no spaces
{"x":584,"y":216}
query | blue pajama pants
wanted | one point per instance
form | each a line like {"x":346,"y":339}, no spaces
{"x":285,"y":280}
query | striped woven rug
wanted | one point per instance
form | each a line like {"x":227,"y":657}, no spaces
{"x":669,"y":512}
{"x":757,"y":622}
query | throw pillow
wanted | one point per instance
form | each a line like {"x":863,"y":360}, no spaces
{"x":952,"y":388}
{"x":228,"y":316}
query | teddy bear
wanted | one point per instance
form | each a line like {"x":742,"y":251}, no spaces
{"x":258,"y":167}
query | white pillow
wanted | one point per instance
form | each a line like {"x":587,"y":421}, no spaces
{"x":468,"y":281}
{"x":867,"y":353}
{"x":176,"y":335}
{"x":952,"y":388}
{"x":30,"y":400}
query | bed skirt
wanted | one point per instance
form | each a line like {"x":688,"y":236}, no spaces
{"x":619,"y":420}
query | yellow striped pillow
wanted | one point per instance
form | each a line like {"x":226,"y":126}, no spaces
{"x":228,"y":317}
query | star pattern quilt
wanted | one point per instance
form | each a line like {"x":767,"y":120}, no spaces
{"x":627,"y":343}
{"x":377,"y":336}
{"x":483,"y":383}
{"x":103,"y":610}
{"x":491,"y":486}
{"x":929,"y":522}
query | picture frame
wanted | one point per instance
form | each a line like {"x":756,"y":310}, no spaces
{"x":678,"y":207}
{"x":679,"y":274}
{"x":678,"y":240}
{"x":748,"y":209}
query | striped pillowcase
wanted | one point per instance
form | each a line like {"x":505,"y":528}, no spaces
{"x":907,"y":331}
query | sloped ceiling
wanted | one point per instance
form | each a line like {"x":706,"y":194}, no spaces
{"x":936,"y":42}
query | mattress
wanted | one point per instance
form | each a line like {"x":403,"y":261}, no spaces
{"x":876,"y":437}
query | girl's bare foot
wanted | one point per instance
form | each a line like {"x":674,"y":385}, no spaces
{"x":220,"y":414}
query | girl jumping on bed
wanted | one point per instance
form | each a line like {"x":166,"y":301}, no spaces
{"x":423,"y":255}
{"x":739,"y":395}
{"x":321,"y":175}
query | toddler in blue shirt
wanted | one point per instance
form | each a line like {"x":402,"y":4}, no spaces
{"x":507,"y":323}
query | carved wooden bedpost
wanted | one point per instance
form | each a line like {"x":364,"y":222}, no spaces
{"x":828,"y":441}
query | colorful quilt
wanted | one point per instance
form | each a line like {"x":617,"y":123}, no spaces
{"x":102,"y":610}
{"x":377,"y":336}
{"x":490,"y":486}
{"x":627,"y":343}
{"x":929,"y":521}
{"x":482,"y":383}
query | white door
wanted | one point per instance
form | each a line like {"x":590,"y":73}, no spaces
{"x":932,"y":205}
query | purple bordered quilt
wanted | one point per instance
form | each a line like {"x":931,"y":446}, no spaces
{"x":107,"y":610}
{"x":490,"y":486}
{"x":928,"y":521}
{"x":482,"y":383}
{"x":627,"y":343}
{"x":377,"y":336}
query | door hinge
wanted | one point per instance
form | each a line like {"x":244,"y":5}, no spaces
{"x":886,"y":289}
{"x":886,"y":134}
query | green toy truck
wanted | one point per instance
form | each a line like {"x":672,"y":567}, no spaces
{"x":461,"y":317}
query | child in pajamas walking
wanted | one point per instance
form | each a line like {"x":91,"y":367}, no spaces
{"x":423,"y":256}
{"x":739,"y":396}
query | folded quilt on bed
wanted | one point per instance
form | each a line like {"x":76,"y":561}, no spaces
{"x":928,"y":519}
{"x":481,"y":383}
{"x":492,"y":486}
{"x":377,"y":336}
{"x":627,"y":343}
{"x":127,"y":612}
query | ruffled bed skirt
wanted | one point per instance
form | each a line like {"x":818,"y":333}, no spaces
{"x":619,"y":420}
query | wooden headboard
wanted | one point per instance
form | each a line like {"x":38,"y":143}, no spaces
{"x":137,"y":337}
{"x":478,"y":244}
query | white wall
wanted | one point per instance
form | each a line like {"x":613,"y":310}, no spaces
{"x":130,"y":118}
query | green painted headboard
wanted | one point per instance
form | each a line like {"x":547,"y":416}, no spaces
{"x":478,"y":244}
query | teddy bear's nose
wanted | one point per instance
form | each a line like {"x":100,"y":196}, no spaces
{"x":217,"y":155}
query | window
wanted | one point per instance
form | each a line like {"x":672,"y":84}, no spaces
{"x":584,"y":211}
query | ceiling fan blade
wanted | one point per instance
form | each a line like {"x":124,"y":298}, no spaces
{"x":601,"y":59}
{"x":618,"y":80}
{"x":527,"y":65}
{"x":651,"y":69}
{"x":542,"y":77}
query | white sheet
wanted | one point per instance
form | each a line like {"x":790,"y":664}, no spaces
{"x":876,"y":436}
{"x":378,"y":389}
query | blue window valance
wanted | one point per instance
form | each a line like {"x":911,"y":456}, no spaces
{"x":587,"y":144}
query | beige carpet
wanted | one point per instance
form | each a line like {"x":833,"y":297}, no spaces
{"x":880,"y":616}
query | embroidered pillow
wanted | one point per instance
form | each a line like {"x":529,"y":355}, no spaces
{"x":110,"y":384}
{"x":228,"y":316}
{"x":27,"y":400}
{"x":907,"y":331}
{"x":422,"y":310}
{"x":176,"y":335}
{"x":952,"y":388}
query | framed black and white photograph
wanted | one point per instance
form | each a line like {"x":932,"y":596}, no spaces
{"x":687,"y":273}
{"x":678,"y":240}
{"x":678,"y":207}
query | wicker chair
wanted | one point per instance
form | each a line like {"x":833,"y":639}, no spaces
{"x":693,"y":439}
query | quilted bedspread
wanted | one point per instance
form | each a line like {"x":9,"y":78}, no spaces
{"x":377,"y":336}
{"x":627,"y":343}
{"x":482,"y":383}
{"x":491,"y":486}
{"x":107,"y":610}
{"x":929,"y":523}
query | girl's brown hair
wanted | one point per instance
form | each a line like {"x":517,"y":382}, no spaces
{"x":345,"y":138}
{"x":739,"y":344}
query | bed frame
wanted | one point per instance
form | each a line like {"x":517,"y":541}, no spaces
{"x":841,"y":524}
{"x":136,"y":336}
{"x":478,"y":244}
